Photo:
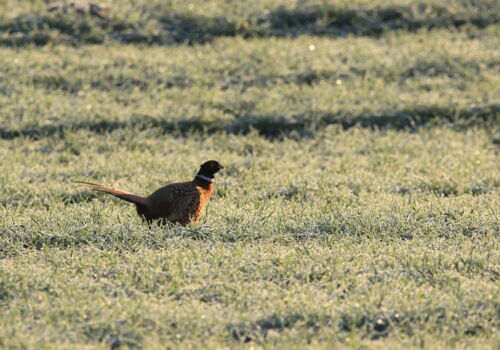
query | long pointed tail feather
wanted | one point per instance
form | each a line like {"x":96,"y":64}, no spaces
{"x":127,"y":196}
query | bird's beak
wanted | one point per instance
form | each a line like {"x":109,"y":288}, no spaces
{"x":221,"y":166}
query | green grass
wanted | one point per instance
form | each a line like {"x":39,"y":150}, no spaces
{"x":358,"y":207}
{"x":273,"y":85}
{"x":319,"y":241}
{"x":173,"y":22}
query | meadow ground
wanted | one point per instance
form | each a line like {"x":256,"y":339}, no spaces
{"x":358,"y":207}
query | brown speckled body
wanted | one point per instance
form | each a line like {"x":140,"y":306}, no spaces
{"x":177,"y":203}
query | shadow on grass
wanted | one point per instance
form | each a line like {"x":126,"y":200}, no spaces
{"x":118,"y":237}
{"x":275,"y":126}
{"x":40,"y":29}
{"x":247,"y":332}
{"x":372,"y":325}
{"x":328,"y":19}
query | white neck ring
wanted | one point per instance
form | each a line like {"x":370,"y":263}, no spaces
{"x":206,"y":178}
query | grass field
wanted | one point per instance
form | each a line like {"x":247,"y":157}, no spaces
{"x":358,"y":207}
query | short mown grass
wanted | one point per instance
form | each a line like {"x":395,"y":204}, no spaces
{"x":276,"y":86}
{"x":351,"y":237}
{"x":201,"y":21}
{"x":358,"y":207}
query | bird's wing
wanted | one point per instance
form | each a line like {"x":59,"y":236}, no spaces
{"x":180,"y":199}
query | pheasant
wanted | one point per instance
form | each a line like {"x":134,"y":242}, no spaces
{"x":177,"y":203}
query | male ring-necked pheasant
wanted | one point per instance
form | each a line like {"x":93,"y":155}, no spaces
{"x":177,"y":203}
